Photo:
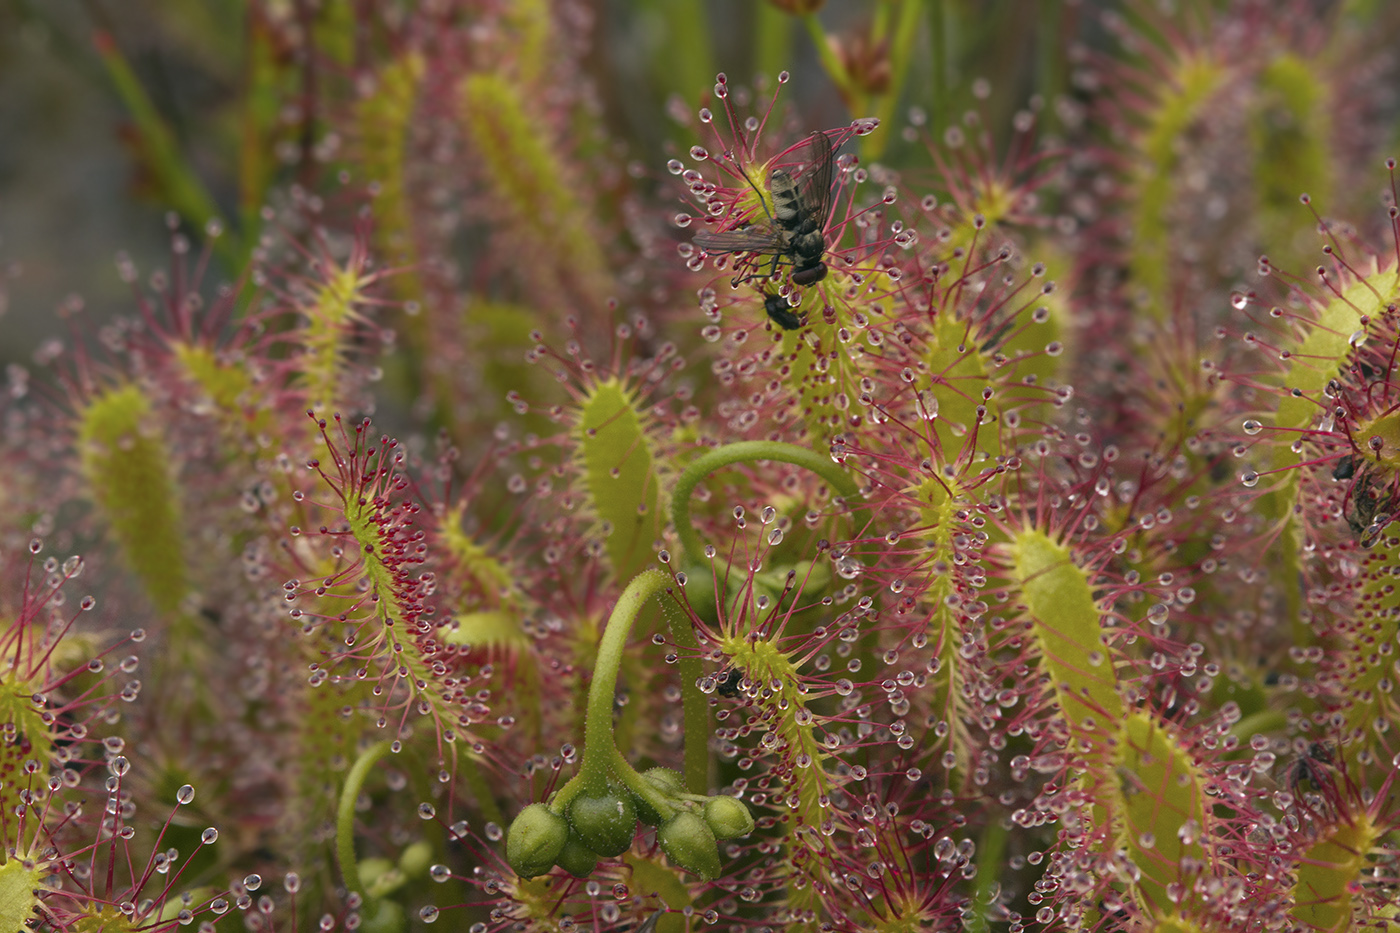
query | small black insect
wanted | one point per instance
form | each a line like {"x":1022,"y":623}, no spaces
{"x":781,"y":312}
{"x":727,"y":683}
{"x":1345,"y":468}
{"x":1368,"y":508}
{"x":795,"y":229}
{"x":1310,"y":770}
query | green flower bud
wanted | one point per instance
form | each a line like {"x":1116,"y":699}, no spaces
{"x":606,"y":823}
{"x":383,"y":916}
{"x":668,"y":782}
{"x":689,"y":843}
{"x":415,"y":859}
{"x":535,"y":839}
{"x":577,"y":859}
{"x":727,"y":817}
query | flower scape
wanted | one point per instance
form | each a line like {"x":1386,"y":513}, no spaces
{"x":881,"y":500}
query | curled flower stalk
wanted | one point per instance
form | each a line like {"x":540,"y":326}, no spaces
{"x":595,"y":814}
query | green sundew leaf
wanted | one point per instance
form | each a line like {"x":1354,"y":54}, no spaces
{"x":1028,"y":339}
{"x":485,"y":581}
{"x":18,"y":897}
{"x":503,"y":331}
{"x":127,"y":468}
{"x":1364,"y":700}
{"x":1176,"y":925}
{"x":383,"y":119}
{"x":959,"y":374}
{"x":523,"y":167}
{"x":1163,"y":803}
{"x":1065,"y":622}
{"x":620,"y":475}
{"x":650,"y":878}
{"x":1316,"y":360}
{"x":1289,"y":131}
{"x":991,"y":849}
{"x":326,"y":335}
{"x":1330,"y":871}
{"x":500,"y":636}
{"x":939,"y":504}
{"x":1325,"y":348}
{"x":1196,"y":80}
{"x":33,"y":741}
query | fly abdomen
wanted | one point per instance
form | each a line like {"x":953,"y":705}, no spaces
{"x":787,"y":200}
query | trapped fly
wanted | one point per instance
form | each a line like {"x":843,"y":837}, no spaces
{"x":795,"y":229}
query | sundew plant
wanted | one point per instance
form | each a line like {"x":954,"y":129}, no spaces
{"x":898,"y":466}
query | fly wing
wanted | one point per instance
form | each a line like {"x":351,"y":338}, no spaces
{"x":816,"y":178}
{"x":743,"y":240}
{"x":650,"y":924}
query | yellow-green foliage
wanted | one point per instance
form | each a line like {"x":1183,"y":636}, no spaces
{"x":501,"y":333}
{"x":1140,"y":776}
{"x":1322,"y":351}
{"x":383,"y":121}
{"x":1289,"y":131}
{"x":19,"y":884}
{"x":940,"y":500}
{"x":129,"y":476}
{"x":826,"y":370}
{"x":530,"y":23}
{"x":649,"y":876}
{"x":1364,"y":662}
{"x":485,"y":582}
{"x":1330,"y":872}
{"x":1066,"y":629}
{"x":958,"y":373}
{"x":24,"y":736}
{"x":1195,"y":81}
{"x":786,"y":714}
{"x":523,"y":168}
{"x":327,"y":323}
{"x":226,"y":391}
{"x":1163,"y":805}
{"x":619,"y":472}
{"x":325,"y":745}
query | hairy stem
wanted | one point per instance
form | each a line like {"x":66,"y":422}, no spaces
{"x":345,"y":815}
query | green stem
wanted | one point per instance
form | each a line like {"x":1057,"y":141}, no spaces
{"x":345,"y":815}
{"x":742,"y":451}
{"x":695,"y":707}
{"x":601,"y":759}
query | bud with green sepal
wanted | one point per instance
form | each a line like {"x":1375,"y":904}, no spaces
{"x":668,"y":782}
{"x":576,"y":858}
{"x":605,"y":822}
{"x":535,"y":839}
{"x":727,"y":817}
{"x":689,"y":843}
